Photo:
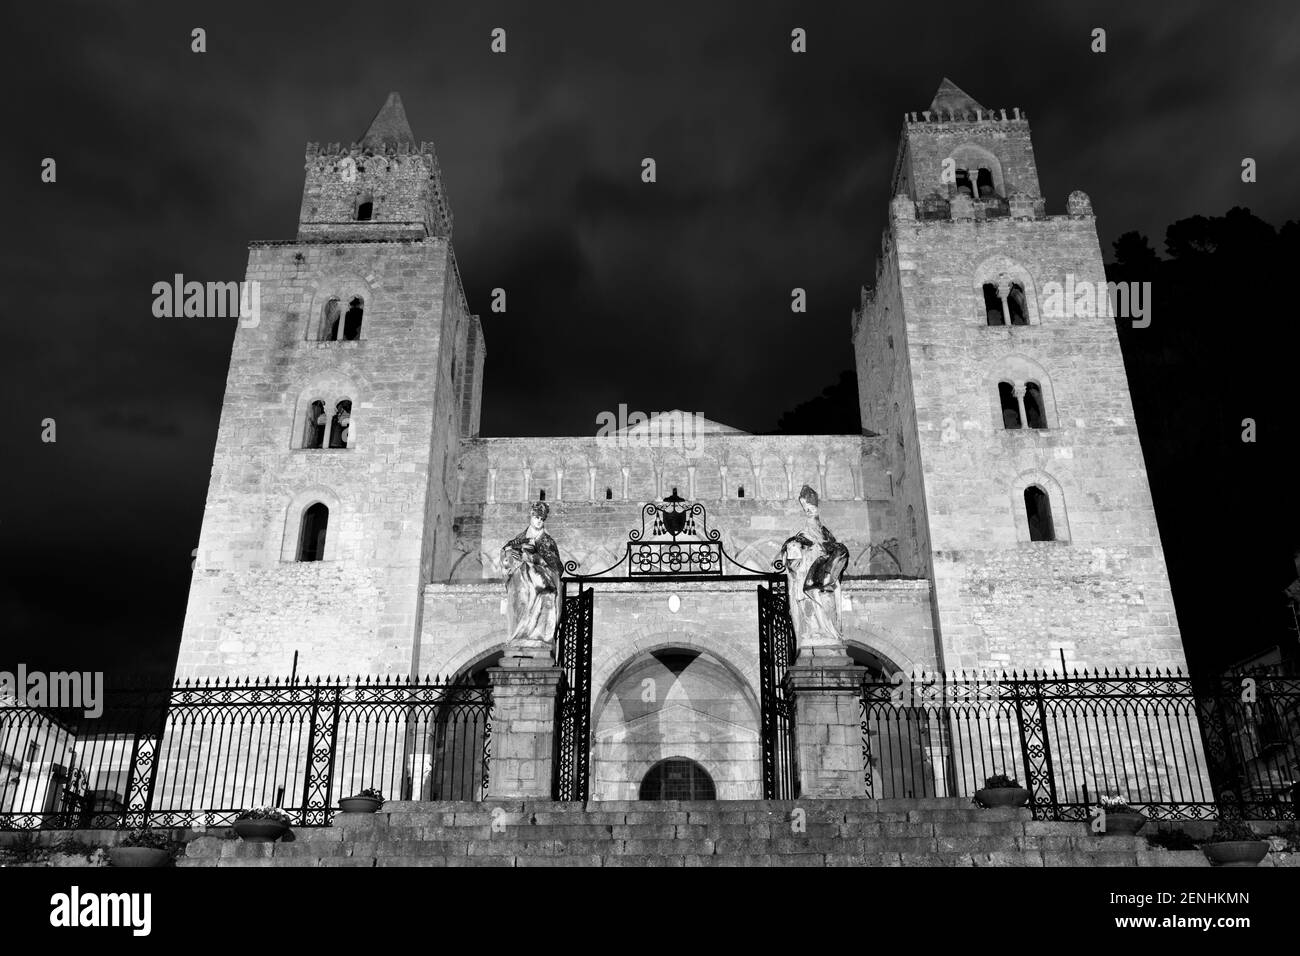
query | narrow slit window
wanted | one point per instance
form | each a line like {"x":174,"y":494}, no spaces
{"x":352,"y":321}
{"x":314,"y":432}
{"x":329,"y":321}
{"x":993,"y":305}
{"x":1016,"y":305}
{"x":1034,"y":416}
{"x":341,"y":424}
{"x":1010,"y":407}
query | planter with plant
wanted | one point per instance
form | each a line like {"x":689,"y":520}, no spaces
{"x":143,"y":848}
{"x":262,"y":824}
{"x":367,"y":801}
{"x":1234,"y":843}
{"x":1121,"y":819}
{"x":1000,"y":790}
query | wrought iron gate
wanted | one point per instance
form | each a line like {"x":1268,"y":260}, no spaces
{"x":674,"y":543}
{"x":573,"y":710}
{"x":776,"y":650}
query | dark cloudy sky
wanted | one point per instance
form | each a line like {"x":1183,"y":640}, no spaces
{"x":773,"y":173}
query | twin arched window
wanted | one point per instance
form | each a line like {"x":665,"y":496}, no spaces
{"x":1021,"y":408}
{"x":981,"y":188}
{"x":337,"y":325}
{"x":1009,"y":309}
{"x":324,"y":429}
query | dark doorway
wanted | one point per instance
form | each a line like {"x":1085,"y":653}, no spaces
{"x":677,"y":779}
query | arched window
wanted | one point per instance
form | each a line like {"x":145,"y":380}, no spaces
{"x":1016,"y":305}
{"x":352,"y":321}
{"x":340,"y":424}
{"x":365,"y":208}
{"x":984,"y":182}
{"x":963,"y":182}
{"x":677,"y":779}
{"x":1010,"y":407}
{"x":1035,"y":417}
{"x":541,"y":494}
{"x":329,"y":321}
{"x":1038,"y":509}
{"x":313,"y":435}
{"x":993,"y":305}
{"x":311,"y":540}
{"x":740,"y":492}
{"x":609,"y":494}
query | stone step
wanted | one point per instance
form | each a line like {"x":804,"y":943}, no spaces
{"x":686,"y":833}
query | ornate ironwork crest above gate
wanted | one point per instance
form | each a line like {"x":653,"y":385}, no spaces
{"x":674,"y":541}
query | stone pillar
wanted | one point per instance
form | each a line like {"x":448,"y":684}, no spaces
{"x":1019,"y":392}
{"x":523,"y":727}
{"x":825,"y":686}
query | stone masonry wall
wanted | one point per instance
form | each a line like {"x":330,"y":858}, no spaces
{"x":251,"y":604}
{"x":500,"y":477}
{"x":1101,"y":591}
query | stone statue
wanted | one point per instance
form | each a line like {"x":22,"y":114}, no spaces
{"x":533,"y":572}
{"x":814,"y":563}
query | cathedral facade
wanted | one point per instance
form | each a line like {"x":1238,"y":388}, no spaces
{"x":995,"y":506}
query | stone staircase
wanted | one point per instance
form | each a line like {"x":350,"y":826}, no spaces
{"x":855,"y":832}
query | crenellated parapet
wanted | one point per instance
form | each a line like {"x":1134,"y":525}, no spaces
{"x":936,"y":119}
{"x":401,"y":180}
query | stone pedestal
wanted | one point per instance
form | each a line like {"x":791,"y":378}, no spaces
{"x":523,"y":727}
{"x":825,"y":686}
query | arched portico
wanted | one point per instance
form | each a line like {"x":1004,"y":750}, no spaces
{"x":675,"y":703}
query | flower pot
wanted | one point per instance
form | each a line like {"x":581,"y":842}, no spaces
{"x":360,"y":804}
{"x":138,"y":856}
{"x":260,"y":831}
{"x":1124,"y":822}
{"x":1002,"y":796}
{"x":1235,"y":852}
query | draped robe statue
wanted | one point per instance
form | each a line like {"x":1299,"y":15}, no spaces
{"x":533,"y":571}
{"x":814,"y":563}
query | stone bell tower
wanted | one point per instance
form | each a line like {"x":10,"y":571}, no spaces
{"x":1016,"y":464}
{"x":334,"y":475}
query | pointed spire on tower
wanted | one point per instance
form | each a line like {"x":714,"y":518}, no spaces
{"x":389,"y":127}
{"x":953,"y":97}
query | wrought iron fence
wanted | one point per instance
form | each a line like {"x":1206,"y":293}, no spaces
{"x":201,"y":752}
{"x":1173,"y":750}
